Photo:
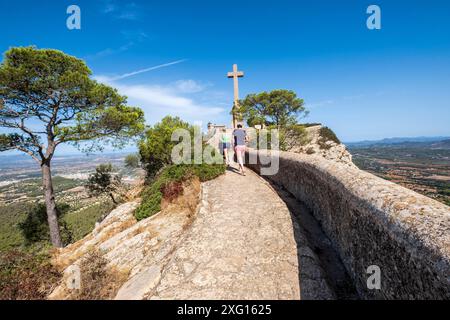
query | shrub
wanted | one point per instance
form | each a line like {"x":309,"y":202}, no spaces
{"x":167,"y":184}
{"x":293,"y":136}
{"x":308,"y":125}
{"x":156,"y":148}
{"x":326,"y":134}
{"x":27,"y":275}
{"x":98,"y":281}
{"x":171,"y":190}
{"x":289,"y":137}
{"x":206,"y":172}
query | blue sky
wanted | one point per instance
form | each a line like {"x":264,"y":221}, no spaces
{"x":364,"y":84}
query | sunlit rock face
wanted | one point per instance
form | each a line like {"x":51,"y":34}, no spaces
{"x":134,"y":249}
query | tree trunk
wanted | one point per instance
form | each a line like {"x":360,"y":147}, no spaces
{"x":113,"y":199}
{"x":52,"y":215}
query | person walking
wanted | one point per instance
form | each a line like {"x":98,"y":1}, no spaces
{"x":240,"y":140}
{"x":225,"y":145}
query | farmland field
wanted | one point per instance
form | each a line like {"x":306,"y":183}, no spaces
{"x":421,"y":166}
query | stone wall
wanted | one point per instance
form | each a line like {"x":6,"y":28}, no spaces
{"x":372,"y":221}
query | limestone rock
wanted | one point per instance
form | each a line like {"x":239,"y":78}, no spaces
{"x":132,"y":247}
{"x":333,"y":151}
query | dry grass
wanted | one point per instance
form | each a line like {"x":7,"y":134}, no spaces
{"x":26,"y":276}
{"x":98,"y":281}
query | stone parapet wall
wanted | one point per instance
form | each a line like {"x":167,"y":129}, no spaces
{"x":372,"y":221}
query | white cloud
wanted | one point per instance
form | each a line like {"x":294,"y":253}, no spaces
{"x":189,"y":86}
{"x":158,"y":101}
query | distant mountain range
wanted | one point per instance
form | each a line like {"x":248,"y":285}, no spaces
{"x":428,"y":142}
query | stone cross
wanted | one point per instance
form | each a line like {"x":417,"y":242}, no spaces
{"x":235,"y":75}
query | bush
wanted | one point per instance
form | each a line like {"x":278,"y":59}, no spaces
{"x":327,"y":134}
{"x":98,"y":282}
{"x":132,"y":161}
{"x":309,"y":125}
{"x":156,"y":149}
{"x":293,"y":136}
{"x":167,"y":183}
{"x":171,"y":190}
{"x":289,"y":137}
{"x":206,"y":172}
{"x":27,"y":275}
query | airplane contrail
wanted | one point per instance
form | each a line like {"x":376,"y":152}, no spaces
{"x":126,"y":75}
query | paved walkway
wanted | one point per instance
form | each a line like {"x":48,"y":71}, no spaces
{"x":242,"y":245}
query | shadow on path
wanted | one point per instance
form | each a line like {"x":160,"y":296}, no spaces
{"x":233,"y":169}
{"x":306,"y":226}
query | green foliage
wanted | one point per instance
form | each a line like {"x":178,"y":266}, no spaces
{"x":279,"y":108}
{"x":153,"y":194}
{"x":293,"y":136}
{"x":35,"y":228}
{"x":206,"y":172}
{"x":26,"y":275}
{"x":156,"y":148}
{"x":132,"y":161}
{"x":309,"y":125}
{"x":104,"y":181}
{"x":288,"y":137}
{"x":75,"y":225}
{"x":32,"y":188}
{"x":10,"y":216}
{"x":55,"y":89}
{"x":326,"y":134}
{"x":54,"y":93}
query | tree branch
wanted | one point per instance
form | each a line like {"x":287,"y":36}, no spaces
{"x":28,"y":152}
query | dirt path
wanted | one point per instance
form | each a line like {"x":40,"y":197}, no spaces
{"x":242,"y":245}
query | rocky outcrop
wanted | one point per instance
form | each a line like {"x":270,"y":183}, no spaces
{"x":373,"y":222}
{"x":321,"y":146}
{"x":137,"y":249}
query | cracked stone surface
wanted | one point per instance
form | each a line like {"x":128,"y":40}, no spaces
{"x":241,"y":246}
